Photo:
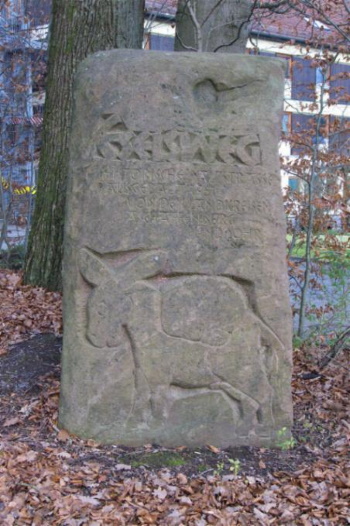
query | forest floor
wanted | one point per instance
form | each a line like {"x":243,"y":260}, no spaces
{"x":48,"y":476}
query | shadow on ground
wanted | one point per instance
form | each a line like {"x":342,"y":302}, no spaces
{"x":26,"y":362}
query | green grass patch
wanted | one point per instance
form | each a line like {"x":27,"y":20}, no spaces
{"x":160,"y":459}
{"x":203,"y":467}
{"x":322,"y":248}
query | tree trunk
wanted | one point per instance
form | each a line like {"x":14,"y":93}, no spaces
{"x":212,"y":25}
{"x":79,"y":27}
{"x":130,"y":16}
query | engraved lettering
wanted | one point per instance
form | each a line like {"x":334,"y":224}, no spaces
{"x":248,"y":150}
{"x":181,"y":146}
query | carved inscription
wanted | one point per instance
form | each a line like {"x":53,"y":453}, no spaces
{"x":209,"y":201}
{"x":132,"y":176}
{"x":119,"y":143}
{"x":150,"y":191}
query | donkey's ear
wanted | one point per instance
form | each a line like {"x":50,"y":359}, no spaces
{"x":92,"y":268}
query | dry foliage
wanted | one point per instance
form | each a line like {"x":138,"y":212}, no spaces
{"x":50,"y":477}
{"x":26,"y":310}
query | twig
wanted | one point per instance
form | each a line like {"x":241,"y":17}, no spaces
{"x":335,"y":349}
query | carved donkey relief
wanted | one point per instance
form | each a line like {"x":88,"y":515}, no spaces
{"x":141,"y":305}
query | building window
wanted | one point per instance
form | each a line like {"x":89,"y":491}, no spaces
{"x":39,"y":70}
{"x":12,"y":135}
{"x":304,"y":133}
{"x":38,"y":110}
{"x":340,"y":83}
{"x":266,"y":54}
{"x":339,"y":135}
{"x":38,"y":11}
{"x":300,"y":125}
{"x":161,"y":42}
{"x":320,"y":76}
{"x":15,"y":70}
{"x":293,"y":184}
{"x":12,"y":11}
{"x":303,"y":79}
{"x":285,"y":125}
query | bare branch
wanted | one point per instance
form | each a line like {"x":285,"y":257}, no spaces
{"x":196,"y":24}
{"x":272,"y":5}
{"x":189,"y":48}
{"x":335,"y":349}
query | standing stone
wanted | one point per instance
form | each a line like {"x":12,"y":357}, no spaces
{"x":177,"y":325}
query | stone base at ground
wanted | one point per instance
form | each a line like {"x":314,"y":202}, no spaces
{"x":176,"y":311}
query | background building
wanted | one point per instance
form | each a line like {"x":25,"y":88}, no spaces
{"x":315,"y":70}
{"x":23,"y":38}
{"x":317,"y":74}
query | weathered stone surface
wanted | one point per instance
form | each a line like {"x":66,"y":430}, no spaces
{"x":177,"y":325}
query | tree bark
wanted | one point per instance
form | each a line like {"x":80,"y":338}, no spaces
{"x":130,"y":16}
{"x":213,"y":25}
{"x":78,"y":28}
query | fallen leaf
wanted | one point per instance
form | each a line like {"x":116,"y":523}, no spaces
{"x":12,"y":422}
{"x":92,"y":443}
{"x":30,"y":456}
{"x":161,"y":494}
{"x":64,"y":454}
{"x":63,"y":435}
{"x":88,"y":500}
{"x":260,"y":515}
{"x":182,"y":479}
{"x":185,"y":500}
{"x":122,"y":467}
{"x":14,"y":279}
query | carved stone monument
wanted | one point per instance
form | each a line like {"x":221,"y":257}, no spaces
{"x":177,"y":325}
